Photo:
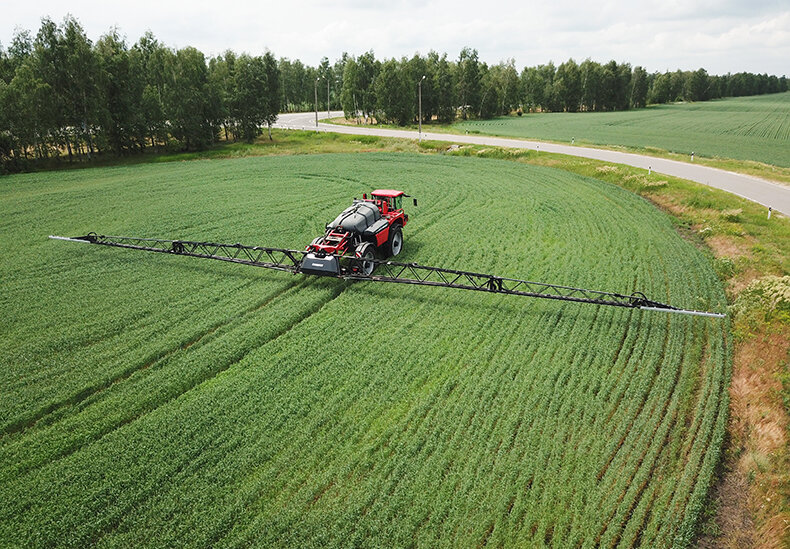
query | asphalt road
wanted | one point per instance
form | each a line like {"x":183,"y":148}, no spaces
{"x":761,"y":191}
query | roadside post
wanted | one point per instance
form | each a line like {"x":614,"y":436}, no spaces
{"x":316,"y":103}
{"x":419,"y":101}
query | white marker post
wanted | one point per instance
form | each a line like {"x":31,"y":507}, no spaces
{"x":769,"y":212}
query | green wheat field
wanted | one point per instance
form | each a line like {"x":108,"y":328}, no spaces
{"x":743,"y":128}
{"x":158,"y":401}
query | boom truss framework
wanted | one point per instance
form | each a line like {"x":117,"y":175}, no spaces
{"x":281,"y":259}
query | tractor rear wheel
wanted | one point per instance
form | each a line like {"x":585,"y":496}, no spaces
{"x":364,"y":259}
{"x":395,"y":241}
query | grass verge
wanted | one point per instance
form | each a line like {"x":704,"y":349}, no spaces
{"x":757,"y":169}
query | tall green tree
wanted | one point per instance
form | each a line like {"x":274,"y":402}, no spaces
{"x":592,"y":85}
{"x":289,"y":83}
{"x":30,"y":111}
{"x":249,"y":96}
{"x":8,"y":143}
{"x":367,"y":71}
{"x":623,"y":93}
{"x":661,"y":90}
{"x":348,"y":94}
{"x":48,"y":66}
{"x":221,"y":72}
{"x":358,"y":94}
{"x":394,"y":97}
{"x":324,"y":85}
{"x":155,"y":62}
{"x":532,"y":87}
{"x":467,"y":81}
{"x":490,"y":93}
{"x":696,"y":86}
{"x":80,"y":87}
{"x":568,"y":86}
{"x":272,"y":92}
{"x":122,"y":87}
{"x":677,"y":81}
{"x":638,"y":88}
{"x":6,"y":71}
{"x":445,"y":87}
{"x":189,"y":104}
{"x":19,"y":51}
{"x":511,"y":88}
{"x":337,"y":81}
{"x":548,"y":73}
{"x":416,"y":68}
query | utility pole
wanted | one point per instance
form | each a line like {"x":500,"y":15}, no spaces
{"x":327,"y":97}
{"x":419,"y":120}
{"x":316,"y":103}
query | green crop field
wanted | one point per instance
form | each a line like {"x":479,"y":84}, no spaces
{"x":745,"y":128}
{"x":150,"y":400}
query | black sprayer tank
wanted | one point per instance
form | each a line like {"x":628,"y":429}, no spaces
{"x":357,"y":217}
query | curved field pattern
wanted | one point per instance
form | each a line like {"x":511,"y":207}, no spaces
{"x":150,"y":400}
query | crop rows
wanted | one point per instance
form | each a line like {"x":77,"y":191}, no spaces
{"x":744,"y":128}
{"x":160,"y":401}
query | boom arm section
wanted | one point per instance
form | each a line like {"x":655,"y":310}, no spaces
{"x":270,"y":258}
{"x":281,"y":259}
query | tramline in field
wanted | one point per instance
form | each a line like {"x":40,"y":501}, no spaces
{"x":348,"y":250}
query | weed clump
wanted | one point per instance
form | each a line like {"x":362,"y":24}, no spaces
{"x":733,"y":216}
{"x":767,"y":297}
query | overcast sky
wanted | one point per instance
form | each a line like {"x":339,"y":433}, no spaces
{"x":719,"y":35}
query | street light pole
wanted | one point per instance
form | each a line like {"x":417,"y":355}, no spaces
{"x":316,"y":103}
{"x":419,"y":121}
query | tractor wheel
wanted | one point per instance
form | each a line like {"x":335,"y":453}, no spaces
{"x":364,"y":263}
{"x":395,"y":241}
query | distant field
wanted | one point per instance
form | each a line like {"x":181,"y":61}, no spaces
{"x":747,"y":128}
{"x":150,"y":400}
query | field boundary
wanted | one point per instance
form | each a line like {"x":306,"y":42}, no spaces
{"x":761,"y":191}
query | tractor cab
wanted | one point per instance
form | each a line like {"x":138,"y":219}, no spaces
{"x":388,"y":200}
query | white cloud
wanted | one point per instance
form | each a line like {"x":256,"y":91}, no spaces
{"x":720,"y":35}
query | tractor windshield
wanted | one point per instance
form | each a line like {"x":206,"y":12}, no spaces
{"x":394,"y":199}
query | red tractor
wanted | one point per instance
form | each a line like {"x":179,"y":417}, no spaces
{"x":368,"y":226}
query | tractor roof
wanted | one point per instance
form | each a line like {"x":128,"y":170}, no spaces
{"x":387,"y":193}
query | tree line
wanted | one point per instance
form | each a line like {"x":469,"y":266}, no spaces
{"x":62,"y":96}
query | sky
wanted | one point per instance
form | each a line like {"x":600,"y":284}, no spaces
{"x":718,"y":35}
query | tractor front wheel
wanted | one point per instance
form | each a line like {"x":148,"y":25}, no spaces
{"x":395,"y":241}
{"x":363,"y":263}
